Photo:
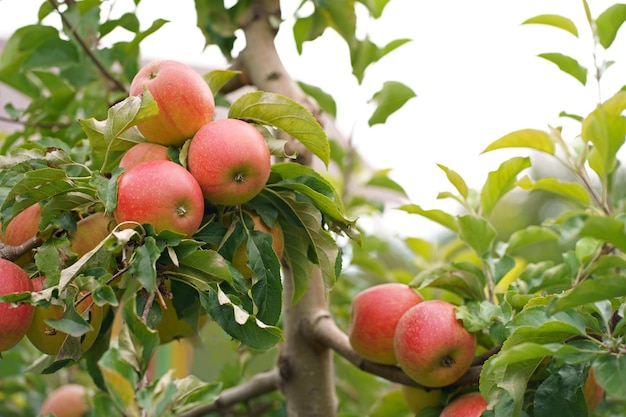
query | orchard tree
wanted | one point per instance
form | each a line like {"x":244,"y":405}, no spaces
{"x":143,"y":218}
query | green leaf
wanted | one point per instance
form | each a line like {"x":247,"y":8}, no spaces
{"x":267,"y":290}
{"x":202,"y":267}
{"x":375,"y":7}
{"x":144,"y":340}
{"x":285,"y":114}
{"x":143,"y":266}
{"x":531,"y":350}
{"x":570,"y":190}
{"x":53,"y":52}
{"x":217,"y":78}
{"x":525,"y":138}
{"x":554,"y":20}
{"x":568,"y":65}
{"x":609,"y":22}
{"x":607,"y":229}
{"x":477,"y":233}
{"x":309,"y":28}
{"x":465,"y":283}
{"x":561,"y":393}
{"x":380,"y":178}
{"x":589,"y":291}
{"x":609,"y":371}
{"x":120,"y":380}
{"x":388,"y":100}
{"x":456,"y":180}
{"x":605,"y":129}
{"x":237,"y":322}
{"x":530,"y":235}
{"x":445,"y":219}
{"x":217,"y":25}
{"x":364,"y":53}
{"x":326,"y":101}
{"x":341,"y":16}
{"x":501,"y":181}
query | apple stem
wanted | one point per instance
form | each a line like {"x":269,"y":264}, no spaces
{"x":181,"y":211}
{"x":239,"y":177}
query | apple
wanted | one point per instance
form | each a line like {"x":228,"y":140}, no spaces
{"x":171,"y":327}
{"x":592,"y":391}
{"x":431,"y":344}
{"x":23,"y":227}
{"x":466,"y":405}
{"x":143,"y":152}
{"x":185,"y":101}
{"x":231,"y":161}
{"x":90,"y":231}
{"x":49,"y":340}
{"x":161,"y":193}
{"x":66,"y":401}
{"x":240,"y":257}
{"x":14,"y":319}
{"x":374,"y":316}
{"x":417,"y":398}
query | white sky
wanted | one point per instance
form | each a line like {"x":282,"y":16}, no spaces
{"x":473,"y":66}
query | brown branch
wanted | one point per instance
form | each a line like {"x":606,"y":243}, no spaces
{"x":323,"y":331}
{"x":118,"y":86}
{"x":256,"y":386}
{"x":11,"y":253}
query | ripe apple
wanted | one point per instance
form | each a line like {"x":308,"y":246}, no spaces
{"x":467,"y":405}
{"x":14,"y":320}
{"x":240,"y":257}
{"x":90,"y":231}
{"x":374,"y":316}
{"x":431,"y":344}
{"x":66,"y":401}
{"x":185,"y":101}
{"x":49,"y":340}
{"x":23,"y":227}
{"x":171,"y":327}
{"x":143,"y":152}
{"x":161,"y":193}
{"x":592,"y":391}
{"x":231,"y":161}
{"x":417,"y":398}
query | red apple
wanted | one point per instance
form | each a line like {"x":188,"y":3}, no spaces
{"x":66,"y":401}
{"x":161,"y":193}
{"x":231,"y":161}
{"x":375,"y":314}
{"x":90,"y":231}
{"x":592,"y":391}
{"x":23,"y":227}
{"x":467,"y":405}
{"x":14,"y":319}
{"x":417,"y":398}
{"x":184,"y":98}
{"x":431,"y":344}
{"x":49,"y":340}
{"x":143,"y":152}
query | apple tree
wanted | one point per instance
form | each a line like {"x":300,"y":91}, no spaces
{"x":263,"y":287}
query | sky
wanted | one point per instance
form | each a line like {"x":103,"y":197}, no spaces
{"x":472,"y":64}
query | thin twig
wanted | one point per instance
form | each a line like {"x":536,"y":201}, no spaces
{"x":43,"y":125}
{"x":11,"y":253}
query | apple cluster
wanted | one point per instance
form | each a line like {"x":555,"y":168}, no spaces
{"x":392,"y":324}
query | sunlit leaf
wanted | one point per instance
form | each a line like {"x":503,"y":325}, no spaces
{"x":609,"y":371}
{"x":501,"y":181}
{"x":607,"y":229}
{"x":554,"y":20}
{"x":525,"y":138}
{"x":589,"y":291}
{"x":445,"y":219}
{"x":604,"y":129}
{"x":456,"y":180}
{"x":530,"y":235}
{"x":568,"y":65}
{"x":609,"y":22}
{"x":570,"y":190}
{"x":217,"y":78}
{"x":477,"y":233}
{"x":326,"y":101}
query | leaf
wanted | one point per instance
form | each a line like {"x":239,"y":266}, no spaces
{"x":609,"y":22}
{"x":143,"y":266}
{"x":456,"y":180}
{"x":466,"y":284}
{"x":363,"y":53}
{"x":237,"y":322}
{"x":525,"y":138}
{"x":144,"y":340}
{"x":285,"y":114}
{"x":477,"y":233}
{"x":609,"y":371}
{"x":388,"y":100}
{"x":341,"y":16}
{"x":530,"y":350}
{"x":120,"y":380}
{"x":324,"y":100}
{"x":589,"y":291}
{"x":568,"y":65}
{"x":530,"y":235}
{"x":217,"y":78}
{"x":501,"y":181}
{"x":202,"y":267}
{"x":604,"y":128}
{"x":267,"y":290}
{"x":438,"y":216}
{"x":554,"y":20}
{"x":561,"y":393}
{"x":607,"y":229}
{"x":570,"y":190}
